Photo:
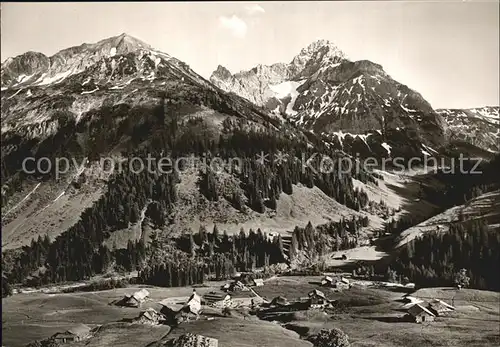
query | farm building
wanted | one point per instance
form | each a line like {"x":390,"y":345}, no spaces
{"x":150,"y":316}
{"x":440,"y":308}
{"x":342,"y":284}
{"x":279,"y":301}
{"x":344,"y":280}
{"x":136,"y":299}
{"x":410,"y":301}
{"x":316,"y":294}
{"x":317,"y":298}
{"x":247,"y":279}
{"x":409,"y":298}
{"x":420,"y":314}
{"x":239,"y":286}
{"x":171,"y":311}
{"x":175,"y":314}
{"x":327,"y":281}
{"x":258,"y":282}
{"x":194,"y":303}
{"x":218,"y":299}
{"x":234,"y":286}
{"x":77,"y":333}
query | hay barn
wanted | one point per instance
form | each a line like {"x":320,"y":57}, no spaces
{"x":440,"y":308}
{"x":75,"y":334}
{"x":219,"y":299}
{"x":420,"y":314}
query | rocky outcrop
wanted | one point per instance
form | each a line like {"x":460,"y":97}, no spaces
{"x":477,"y":126}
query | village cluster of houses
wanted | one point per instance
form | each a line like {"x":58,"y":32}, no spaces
{"x":420,"y":311}
{"x":417,"y":309}
{"x":172,"y":313}
{"x":169,"y":314}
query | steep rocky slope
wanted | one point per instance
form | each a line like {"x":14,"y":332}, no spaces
{"x":478,"y":126}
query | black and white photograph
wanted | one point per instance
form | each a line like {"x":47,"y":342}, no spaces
{"x":240,"y":174}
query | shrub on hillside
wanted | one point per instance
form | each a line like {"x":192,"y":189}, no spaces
{"x":6,"y":288}
{"x":330,"y":338}
{"x":461,"y":279}
{"x":44,"y":343}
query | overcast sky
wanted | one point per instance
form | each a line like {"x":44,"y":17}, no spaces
{"x":447,"y":50}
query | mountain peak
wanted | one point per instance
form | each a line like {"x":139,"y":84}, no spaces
{"x":323,"y":47}
{"x":124,"y":35}
{"x":316,"y":54}
{"x":129,"y":38}
{"x":123,"y":43}
{"x":222,"y":73}
{"x":318,"y":44}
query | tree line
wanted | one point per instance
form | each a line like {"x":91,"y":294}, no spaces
{"x":435,"y":258}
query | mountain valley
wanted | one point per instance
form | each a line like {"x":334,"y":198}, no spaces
{"x":285,"y":203}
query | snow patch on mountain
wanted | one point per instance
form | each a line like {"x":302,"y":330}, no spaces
{"x":478,"y":126}
{"x":429,"y":149}
{"x":387,"y":147}
{"x":287,"y":89}
{"x":24,"y":199}
{"x":90,"y":91}
{"x":18,"y":91}
{"x":282,"y":90}
{"x":118,"y":87}
{"x":407,"y":109}
{"x":23,"y":78}
{"x":340,"y":135}
{"x":87,"y":80}
{"x":424,"y":152}
{"x":57,"y":78}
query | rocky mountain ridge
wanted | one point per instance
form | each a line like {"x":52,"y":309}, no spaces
{"x":36,"y":69}
{"x":37,"y":89}
{"x":478,"y":126}
{"x":322,"y":90}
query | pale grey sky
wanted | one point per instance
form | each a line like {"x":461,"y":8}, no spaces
{"x":446,"y":50}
